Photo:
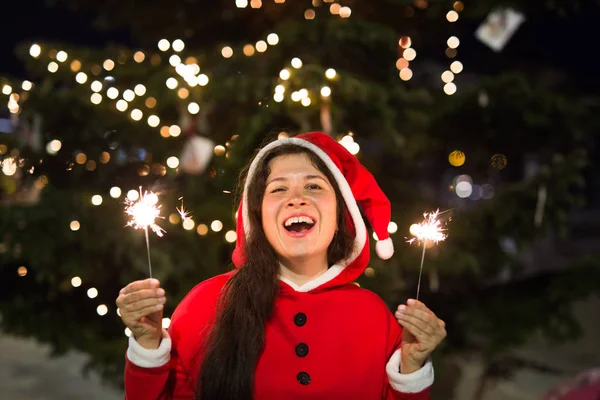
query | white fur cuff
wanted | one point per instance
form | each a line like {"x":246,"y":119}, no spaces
{"x":408,"y":383}
{"x":147,"y":358}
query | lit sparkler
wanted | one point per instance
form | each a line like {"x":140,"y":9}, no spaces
{"x":428,"y":230}
{"x":185,"y":214}
{"x":144,"y":212}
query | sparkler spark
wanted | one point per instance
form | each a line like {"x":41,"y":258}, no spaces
{"x":428,"y":230}
{"x":144,"y":212}
{"x":185,"y":214}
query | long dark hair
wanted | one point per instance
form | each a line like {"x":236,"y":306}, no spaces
{"x":236,"y":339}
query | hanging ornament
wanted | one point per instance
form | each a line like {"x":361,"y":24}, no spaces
{"x":196,"y":154}
{"x":499,"y":27}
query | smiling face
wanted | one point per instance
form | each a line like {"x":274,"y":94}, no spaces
{"x":299,"y":210}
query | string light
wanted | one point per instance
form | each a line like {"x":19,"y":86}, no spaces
{"x":96,"y":86}
{"x":96,"y":199}
{"x":284,"y":74}
{"x":452,"y":16}
{"x":35,"y":50}
{"x":172,"y":162}
{"x":115,"y":192}
{"x":108,"y":65}
{"x":128,"y":95}
{"x":227,"y":52}
{"x":6,"y":89}
{"x":52,"y":67}
{"x":122,"y":105}
{"x":153,"y":121}
{"x":178,"y":45}
{"x":112,"y":93}
{"x":136,"y":114}
{"x":76,"y":281}
{"x":174,"y":60}
{"x":202,"y":80}
{"x":330,"y":73}
{"x":450,"y":88}
{"x":456,"y":67}
{"x":139,"y":56}
{"x":296,"y":63}
{"x":172,"y":83}
{"x":92,"y":293}
{"x":163,"y":45}
{"x":216,"y":226}
{"x":140,"y":89}
{"x":272,"y":39}
{"x":193,"y":108}
{"x":81,"y":77}
{"x":96,"y":98}
{"x":174,"y":130}
{"x":447,"y":76}
{"x":261,"y":46}
{"x":409,"y":54}
{"x":453,"y":42}
{"x":325,"y":91}
{"x":406,"y":74}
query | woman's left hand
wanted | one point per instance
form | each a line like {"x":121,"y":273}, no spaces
{"x":422,"y":332}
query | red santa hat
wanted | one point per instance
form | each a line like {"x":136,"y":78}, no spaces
{"x":357,"y":186}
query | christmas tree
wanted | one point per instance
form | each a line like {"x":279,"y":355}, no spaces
{"x":451,"y":106}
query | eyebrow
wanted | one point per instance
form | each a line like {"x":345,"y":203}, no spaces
{"x":306,"y":177}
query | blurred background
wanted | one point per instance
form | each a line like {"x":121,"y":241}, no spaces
{"x":489,"y":109}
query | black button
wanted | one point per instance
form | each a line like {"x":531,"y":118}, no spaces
{"x":302,"y":350}
{"x":300,"y":319}
{"x":303,"y":378}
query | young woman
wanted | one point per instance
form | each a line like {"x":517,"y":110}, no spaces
{"x":288,"y":323}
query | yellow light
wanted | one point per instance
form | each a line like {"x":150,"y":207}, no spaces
{"x":456,"y":158}
{"x":219,"y":150}
{"x":52,"y":67}
{"x":96,"y":86}
{"x":296,"y":63}
{"x":296,"y":96}
{"x":453,"y":42}
{"x":227,"y":52}
{"x":54,"y":146}
{"x":136,"y":114}
{"x":370,"y":272}
{"x":122,"y":105}
{"x":21,"y":271}
{"x":115,"y":192}
{"x":96,"y":199}
{"x":174,"y":218}
{"x":303,"y":93}
{"x":193,"y":108}
{"x":450,"y":88}
{"x":76,"y":281}
{"x":325,"y":91}
{"x":178,"y":45}
{"x":278,"y":97}
{"x":405,"y":42}
{"x":174,"y":60}
{"x":80,"y":158}
{"x":306,"y":101}
{"x":241,"y":3}
{"x":6,"y":89}
{"x":406,"y":74}
{"x":256,"y":3}
{"x":272,"y":39}
{"x":140,"y":89}
{"x":414,"y":229}
{"x":202,"y":80}
{"x":248,"y":50}
{"x":345,"y":12}
{"x":133,"y":195}
{"x":174,"y":130}
{"x":188,"y":224}
{"x":35,"y":50}
{"x":75,"y":65}
{"x":284,"y":74}
{"x":261,"y":46}
{"x":112,"y":93}
{"x":309,"y":14}
{"x":128,"y":95}
{"x":452,"y":16}
{"x":92,"y":293}
{"x":231,"y":236}
{"x":409,"y":54}
{"x":202,"y":229}
{"x":216,"y":225}
{"x":392,"y":227}
{"x":104,"y":157}
{"x":330,"y":73}
{"x":172,"y":83}
{"x":335,"y":8}
{"x":163,"y":45}
{"x":151,"y":102}
{"x":90,"y":165}
{"x":61,"y":56}
{"x":108,"y":64}
{"x":456,"y":67}
{"x":102,"y":309}
{"x":447,"y":76}
{"x":280,"y":89}
{"x":401,"y":63}
{"x":172,"y":162}
{"x":458,"y":6}
{"x":153,"y":121}
{"x":26,"y":86}
{"x":139,"y":56}
{"x":164,"y":131}
{"x":96,"y":98}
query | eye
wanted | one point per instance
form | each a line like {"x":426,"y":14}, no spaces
{"x":313,"y":186}
{"x":277,"y":190}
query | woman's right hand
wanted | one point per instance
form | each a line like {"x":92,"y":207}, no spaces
{"x":141,"y":307}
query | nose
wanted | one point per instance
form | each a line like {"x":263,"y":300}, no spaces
{"x":297,"y":199}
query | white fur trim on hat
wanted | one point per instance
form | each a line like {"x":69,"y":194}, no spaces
{"x":384,"y":248}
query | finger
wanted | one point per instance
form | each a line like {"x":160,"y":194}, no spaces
{"x":137,"y":315}
{"x":424,"y":329}
{"x":417,"y":304}
{"x":138,"y":285}
{"x":425,"y":341}
{"x":426,"y":316}
{"x":143,"y":294}
{"x":140,"y":305}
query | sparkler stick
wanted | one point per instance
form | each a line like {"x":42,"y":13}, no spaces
{"x":144,"y":212}
{"x":429,"y":229}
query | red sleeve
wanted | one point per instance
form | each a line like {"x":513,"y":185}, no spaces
{"x":411,"y":383}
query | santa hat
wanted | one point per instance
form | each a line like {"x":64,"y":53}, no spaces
{"x":357,"y":186}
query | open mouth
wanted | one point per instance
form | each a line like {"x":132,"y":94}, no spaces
{"x":299,"y":224}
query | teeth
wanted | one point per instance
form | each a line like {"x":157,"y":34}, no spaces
{"x":294,"y":220}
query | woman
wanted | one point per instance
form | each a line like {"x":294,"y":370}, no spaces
{"x":289,"y":323}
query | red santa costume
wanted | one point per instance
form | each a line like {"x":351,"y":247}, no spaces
{"x":327,"y":339}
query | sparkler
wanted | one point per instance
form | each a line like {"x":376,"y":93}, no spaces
{"x":144,"y":212}
{"x":185,"y":214}
{"x":428,"y":230}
